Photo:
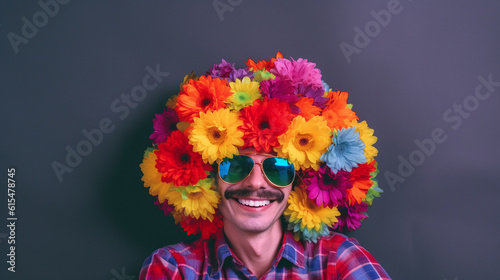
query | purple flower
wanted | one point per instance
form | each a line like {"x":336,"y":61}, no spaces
{"x":279,"y":89}
{"x":240,"y":74}
{"x":221,"y":70}
{"x":350,"y":216}
{"x":298,"y":72}
{"x":163,"y":125}
{"x":327,"y":188}
{"x":314,"y":93}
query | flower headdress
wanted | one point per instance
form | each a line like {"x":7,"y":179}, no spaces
{"x":280,"y":106}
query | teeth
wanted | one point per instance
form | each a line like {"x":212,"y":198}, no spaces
{"x":254,"y":203}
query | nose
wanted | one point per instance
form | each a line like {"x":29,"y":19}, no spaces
{"x":256,"y":178}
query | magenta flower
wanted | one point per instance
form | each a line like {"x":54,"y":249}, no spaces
{"x":298,"y":72}
{"x":167,"y":208}
{"x":350,"y":216}
{"x":279,"y":89}
{"x":163,"y":125}
{"x":327,"y":188}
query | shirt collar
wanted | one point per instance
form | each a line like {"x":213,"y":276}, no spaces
{"x":290,"y":250}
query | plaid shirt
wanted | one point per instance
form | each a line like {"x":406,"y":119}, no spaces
{"x":333,"y":257}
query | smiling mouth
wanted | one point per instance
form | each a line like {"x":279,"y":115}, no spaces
{"x":254,"y":203}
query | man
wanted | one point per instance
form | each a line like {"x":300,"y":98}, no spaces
{"x":278,"y":179}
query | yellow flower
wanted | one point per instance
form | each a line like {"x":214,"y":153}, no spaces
{"x":215,"y":135}
{"x":195,"y":201}
{"x":244,"y":93}
{"x":304,"y":142}
{"x":152,"y":178}
{"x":302,"y":209}
{"x":366,"y":135}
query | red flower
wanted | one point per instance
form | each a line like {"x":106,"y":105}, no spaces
{"x":178,"y":163}
{"x":263,"y":122}
{"x":361,"y":182}
{"x":206,"y":227}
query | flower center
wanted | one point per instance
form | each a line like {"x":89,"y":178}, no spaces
{"x":195,"y":195}
{"x":242,"y":96}
{"x":206,"y":101}
{"x":303,"y":142}
{"x":184,"y":158}
{"x":215,"y":136}
{"x":264,"y":125}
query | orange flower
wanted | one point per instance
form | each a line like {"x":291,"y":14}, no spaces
{"x":336,"y":113}
{"x":361,"y":182}
{"x":262,"y":64}
{"x":307,"y":109}
{"x":205,"y":94}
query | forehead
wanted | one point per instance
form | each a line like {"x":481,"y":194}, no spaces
{"x":256,"y":155}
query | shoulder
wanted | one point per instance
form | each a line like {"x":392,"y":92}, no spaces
{"x":345,"y":257}
{"x":176,"y":261}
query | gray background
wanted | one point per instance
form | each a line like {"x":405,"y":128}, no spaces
{"x":441,"y":222}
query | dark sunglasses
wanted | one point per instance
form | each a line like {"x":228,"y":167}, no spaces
{"x":277,"y":170}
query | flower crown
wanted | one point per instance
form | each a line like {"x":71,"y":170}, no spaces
{"x":280,"y":106}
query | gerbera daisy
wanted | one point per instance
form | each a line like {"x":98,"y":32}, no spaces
{"x":298,"y":72}
{"x":304,"y":142}
{"x":206,"y":227}
{"x":351,"y":216}
{"x":307,"y":109}
{"x":262,"y":64}
{"x":216,"y":136}
{"x":263,"y":122}
{"x":327,"y":188}
{"x":361,"y":182}
{"x":152,"y":177}
{"x":310,"y":216}
{"x":196,"y":201}
{"x":366,"y":135}
{"x":178,"y":163}
{"x":346,"y":151}
{"x":244,"y":93}
{"x":163,"y":125}
{"x":204,"y":95}
{"x":337,"y":113}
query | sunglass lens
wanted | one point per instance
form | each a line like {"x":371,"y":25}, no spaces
{"x":233,"y":170}
{"x":279,"y":171}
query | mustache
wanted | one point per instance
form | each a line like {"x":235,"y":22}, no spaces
{"x":245,"y":193}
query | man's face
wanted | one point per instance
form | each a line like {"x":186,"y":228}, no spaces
{"x":254,"y":204}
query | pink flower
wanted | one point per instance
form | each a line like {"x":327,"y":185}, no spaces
{"x":298,"y":72}
{"x":327,"y":188}
{"x":351,"y":216}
